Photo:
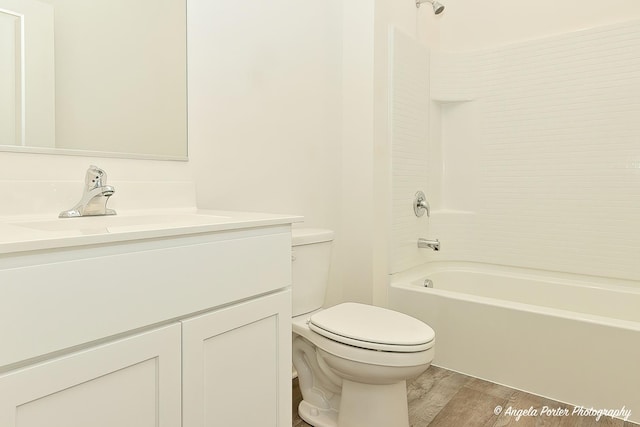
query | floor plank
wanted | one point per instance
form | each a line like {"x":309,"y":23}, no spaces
{"x":438,"y":386}
{"x":444,"y":398}
{"x":469,"y":408}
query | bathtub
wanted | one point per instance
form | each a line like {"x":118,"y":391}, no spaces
{"x":571,"y":338}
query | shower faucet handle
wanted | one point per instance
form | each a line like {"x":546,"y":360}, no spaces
{"x":420,"y":204}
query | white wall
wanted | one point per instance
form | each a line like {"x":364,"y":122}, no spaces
{"x":265,"y":117}
{"x":354,"y":255}
{"x":42,"y":184}
{"x":470,"y":24}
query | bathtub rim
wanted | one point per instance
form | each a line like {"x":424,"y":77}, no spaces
{"x":556,"y":277}
{"x":405,"y":280}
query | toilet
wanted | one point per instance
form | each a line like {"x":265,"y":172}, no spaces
{"x":352,"y":359}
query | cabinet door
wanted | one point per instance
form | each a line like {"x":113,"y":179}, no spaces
{"x":132,"y":382}
{"x":237,"y":365}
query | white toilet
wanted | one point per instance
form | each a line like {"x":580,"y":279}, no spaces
{"x":352,"y":360}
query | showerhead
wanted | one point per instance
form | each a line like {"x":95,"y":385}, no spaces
{"x":437,"y":7}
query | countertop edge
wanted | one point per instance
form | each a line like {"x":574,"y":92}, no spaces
{"x":237,"y":221}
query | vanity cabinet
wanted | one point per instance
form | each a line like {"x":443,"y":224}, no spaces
{"x":232,"y":365}
{"x":237,"y":365}
{"x":189,"y":330}
{"x":129,"y":382}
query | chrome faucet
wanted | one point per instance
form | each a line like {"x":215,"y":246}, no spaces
{"x":420,"y":205}
{"x":95,"y":196}
{"x":429,"y":244}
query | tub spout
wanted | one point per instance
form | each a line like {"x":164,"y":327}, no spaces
{"x":429,"y":244}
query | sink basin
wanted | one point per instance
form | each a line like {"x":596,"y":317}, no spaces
{"x":30,"y":233}
{"x":133,"y":222}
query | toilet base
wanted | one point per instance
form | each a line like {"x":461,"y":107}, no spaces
{"x":317,"y":417}
{"x":362,"y":405}
{"x":366,"y":405}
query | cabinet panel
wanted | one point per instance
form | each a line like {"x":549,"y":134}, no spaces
{"x":237,"y":365}
{"x":149,"y":282}
{"x":133,"y":382}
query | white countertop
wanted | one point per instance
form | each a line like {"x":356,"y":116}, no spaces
{"x":30,"y":233}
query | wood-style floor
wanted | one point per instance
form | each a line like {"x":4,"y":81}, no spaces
{"x":443,"y":398}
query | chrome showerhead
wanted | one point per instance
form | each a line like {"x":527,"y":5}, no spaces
{"x":437,"y":7}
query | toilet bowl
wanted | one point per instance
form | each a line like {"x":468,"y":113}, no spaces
{"x":352,"y":359}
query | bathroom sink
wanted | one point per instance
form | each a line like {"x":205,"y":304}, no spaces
{"x":22,"y":233}
{"x":121,"y":222}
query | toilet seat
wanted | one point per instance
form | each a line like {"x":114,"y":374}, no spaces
{"x":372,"y":328}
{"x":300,"y":326}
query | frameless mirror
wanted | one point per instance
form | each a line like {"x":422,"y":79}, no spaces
{"x":100,"y":77}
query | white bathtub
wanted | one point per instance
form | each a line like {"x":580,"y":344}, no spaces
{"x":571,"y":338}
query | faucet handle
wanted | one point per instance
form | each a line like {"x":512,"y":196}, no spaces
{"x":95,"y":196}
{"x":95,"y":177}
{"x":420,"y":204}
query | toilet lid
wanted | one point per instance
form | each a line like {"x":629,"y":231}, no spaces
{"x":373,"y":328}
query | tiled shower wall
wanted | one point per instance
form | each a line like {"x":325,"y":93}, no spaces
{"x":538,"y":155}
{"x":409,"y":101}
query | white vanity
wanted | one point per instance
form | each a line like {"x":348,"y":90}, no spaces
{"x":158,"y":319}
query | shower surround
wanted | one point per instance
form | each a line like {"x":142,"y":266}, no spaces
{"x":540,"y":144}
{"x":529,"y":154}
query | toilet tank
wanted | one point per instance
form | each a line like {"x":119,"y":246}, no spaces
{"x":310,"y":257}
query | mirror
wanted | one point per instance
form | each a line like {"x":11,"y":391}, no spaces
{"x":100,"y":77}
